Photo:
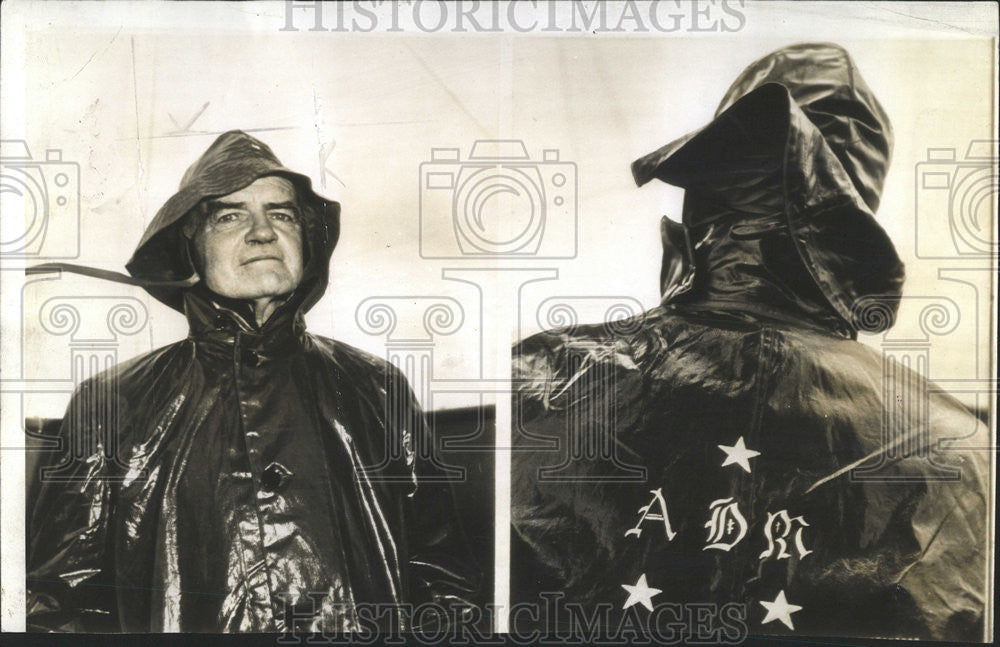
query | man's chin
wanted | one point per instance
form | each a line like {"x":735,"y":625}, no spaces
{"x":253,"y":288}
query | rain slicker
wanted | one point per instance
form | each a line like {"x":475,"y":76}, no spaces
{"x":736,"y":443}
{"x":247,"y":478}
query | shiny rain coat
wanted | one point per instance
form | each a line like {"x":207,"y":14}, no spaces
{"x":246,"y":478}
{"x":736,"y":444}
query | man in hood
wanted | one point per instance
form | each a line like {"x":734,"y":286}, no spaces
{"x":252,"y":477}
{"x":746,"y":462}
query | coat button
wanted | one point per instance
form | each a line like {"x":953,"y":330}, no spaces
{"x":275,"y":475}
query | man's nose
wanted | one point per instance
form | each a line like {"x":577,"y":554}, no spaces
{"x":261,"y":229}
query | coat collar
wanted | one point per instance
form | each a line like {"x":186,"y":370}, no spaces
{"x":213,"y":319}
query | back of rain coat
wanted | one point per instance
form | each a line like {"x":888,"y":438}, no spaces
{"x":735,"y":445}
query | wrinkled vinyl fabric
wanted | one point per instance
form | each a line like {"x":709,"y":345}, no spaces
{"x":246,"y":478}
{"x":861,"y":498}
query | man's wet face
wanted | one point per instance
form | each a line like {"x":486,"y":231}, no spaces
{"x":250,"y":242}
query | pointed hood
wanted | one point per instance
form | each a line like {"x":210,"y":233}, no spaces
{"x":795,"y":159}
{"x":235,"y":160}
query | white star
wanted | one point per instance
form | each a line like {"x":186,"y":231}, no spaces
{"x":738,"y":454}
{"x":641,"y":593}
{"x":780,"y":610}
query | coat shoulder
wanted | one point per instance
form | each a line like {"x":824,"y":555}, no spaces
{"x":555,"y":340}
{"x":351,"y":359}
{"x":634,"y":341}
{"x":140,"y":367}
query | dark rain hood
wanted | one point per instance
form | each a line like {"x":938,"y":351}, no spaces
{"x":780,"y":194}
{"x":162,"y":263}
{"x":247,"y":478}
{"x":162,"y":260}
{"x":732,"y":462}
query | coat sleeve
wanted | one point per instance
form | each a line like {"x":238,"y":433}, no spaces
{"x":441,"y":567}
{"x":68,"y":556}
{"x":948,"y":582}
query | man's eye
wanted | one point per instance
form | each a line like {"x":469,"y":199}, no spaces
{"x":226,"y":217}
{"x":284,"y":216}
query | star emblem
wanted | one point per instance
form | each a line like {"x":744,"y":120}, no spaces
{"x":780,"y":609}
{"x":738,"y":454}
{"x":641,"y":593}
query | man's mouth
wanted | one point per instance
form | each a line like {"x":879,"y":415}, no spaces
{"x":267,"y":257}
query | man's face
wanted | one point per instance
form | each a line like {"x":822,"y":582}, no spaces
{"x":250,"y":242}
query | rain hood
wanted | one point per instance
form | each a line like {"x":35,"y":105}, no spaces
{"x":794,"y":161}
{"x":235,"y":160}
